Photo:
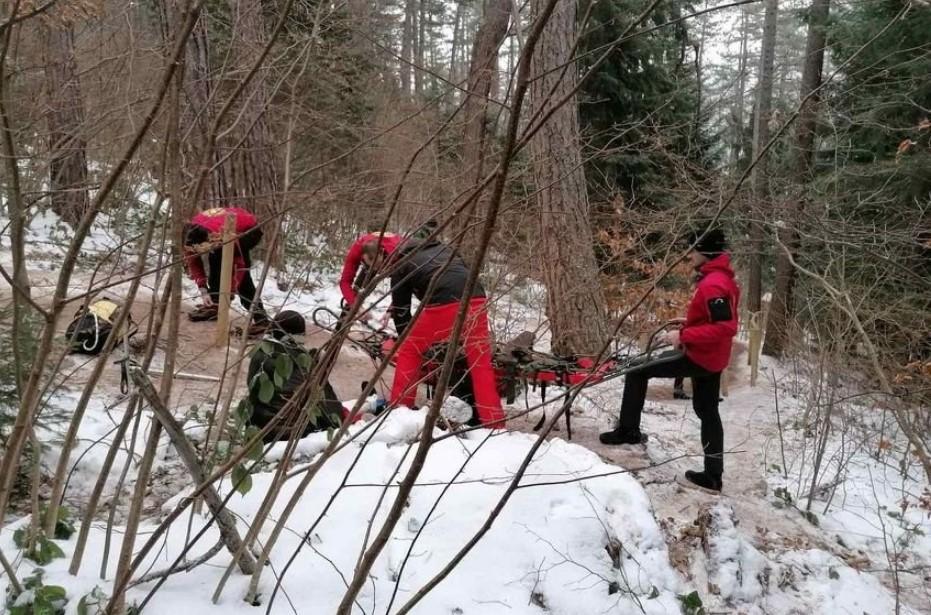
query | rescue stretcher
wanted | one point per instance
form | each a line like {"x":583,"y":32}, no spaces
{"x":518,"y":367}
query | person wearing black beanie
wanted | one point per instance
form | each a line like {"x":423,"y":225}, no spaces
{"x":701,"y":351}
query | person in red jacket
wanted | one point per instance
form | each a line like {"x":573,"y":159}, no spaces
{"x":354,"y":268}
{"x":203,"y":238}
{"x":434,"y":273}
{"x":702,"y":351}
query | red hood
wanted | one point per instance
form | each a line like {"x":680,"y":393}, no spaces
{"x":720,"y":263}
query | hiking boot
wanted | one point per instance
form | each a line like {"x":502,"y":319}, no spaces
{"x":203,"y":313}
{"x":704,"y":480}
{"x":618,"y":436}
{"x":257,"y":329}
{"x":680,"y":394}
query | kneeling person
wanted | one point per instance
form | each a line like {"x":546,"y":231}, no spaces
{"x":324,"y":407}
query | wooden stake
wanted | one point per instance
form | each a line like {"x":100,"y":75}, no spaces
{"x":226,"y":280}
{"x":755,"y":329}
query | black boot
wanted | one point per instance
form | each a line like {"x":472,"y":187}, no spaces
{"x":618,"y":436}
{"x":704,"y":480}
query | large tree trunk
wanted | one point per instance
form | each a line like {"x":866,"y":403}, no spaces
{"x":407,"y":45}
{"x":482,"y":71}
{"x":575,"y":301}
{"x":737,"y":115}
{"x":781,"y":310}
{"x":254,"y":165}
{"x":65,"y":117}
{"x":759,"y":178}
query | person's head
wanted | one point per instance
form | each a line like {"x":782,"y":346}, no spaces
{"x":197,"y":239}
{"x":288,"y":322}
{"x":708,"y":243}
{"x":373,"y":253}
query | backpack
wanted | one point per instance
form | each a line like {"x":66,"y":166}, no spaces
{"x":93,"y":325}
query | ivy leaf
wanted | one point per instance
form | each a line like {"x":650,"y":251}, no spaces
{"x":242,"y":480}
{"x":266,"y":388}
{"x":284,"y":366}
{"x":244,"y":411}
{"x":254,"y":453}
{"x":279,"y":383}
{"x":304,"y":360}
{"x":19,"y":538}
{"x":45,"y":551}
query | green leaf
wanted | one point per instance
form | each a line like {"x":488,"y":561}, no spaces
{"x":691,"y":604}
{"x":244,"y":411}
{"x":284,"y":366}
{"x":20,"y":538}
{"x":267,"y":348}
{"x":45,"y":551}
{"x":279,"y":381}
{"x":242,"y":480}
{"x":304,"y":360}
{"x":266,"y":389}
{"x":93,"y":603}
{"x":254,"y":453}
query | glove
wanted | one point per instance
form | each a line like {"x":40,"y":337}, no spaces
{"x":205,"y":297}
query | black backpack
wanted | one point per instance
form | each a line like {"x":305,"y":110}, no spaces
{"x":91,"y":327}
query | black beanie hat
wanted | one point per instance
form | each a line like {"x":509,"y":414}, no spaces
{"x":289,"y":322}
{"x":195,"y":234}
{"x":713,"y":243}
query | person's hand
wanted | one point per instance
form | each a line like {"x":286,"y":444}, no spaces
{"x":671,"y":338}
{"x":205,"y":297}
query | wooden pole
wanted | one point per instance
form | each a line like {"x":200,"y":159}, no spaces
{"x":756,"y":341}
{"x":226,"y":280}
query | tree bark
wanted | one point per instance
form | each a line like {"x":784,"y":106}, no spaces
{"x":421,"y":47}
{"x":759,"y":178}
{"x":482,"y":71}
{"x":253,"y":167}
{"x":781,"y":308}
{"x":738,"y":112}
{"x":575,"y":302}
{"x":65,"y":118}
{"x":407,"y":46}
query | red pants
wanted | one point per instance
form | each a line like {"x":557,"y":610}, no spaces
{"x":434,"y":325}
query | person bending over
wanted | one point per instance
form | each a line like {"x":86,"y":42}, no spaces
{"x":413,"y":266}
{"x":203,"y":239}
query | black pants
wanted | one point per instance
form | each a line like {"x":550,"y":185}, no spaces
{"x":705,"y":390}
{"x":246,"y":290}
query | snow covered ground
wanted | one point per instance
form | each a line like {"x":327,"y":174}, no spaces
{"x":580,"y":534}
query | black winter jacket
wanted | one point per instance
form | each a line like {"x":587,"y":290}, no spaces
{"x":412,"y":277}
{"x":264,"y":359}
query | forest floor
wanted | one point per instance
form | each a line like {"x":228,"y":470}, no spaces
{"x":602,"y":528}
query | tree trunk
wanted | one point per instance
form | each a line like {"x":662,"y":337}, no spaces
{"x":575,"y":302}
{"x":484,"y":61}
{"x":254,"y":166}
{"x":456,"y":43}
{"x":65,"y":118}
{"x":738,"y":113}
{"x":759,"y":178}
{"x":421,"y":46}
{"x":781,"y":310}
{"x":407,"y":46}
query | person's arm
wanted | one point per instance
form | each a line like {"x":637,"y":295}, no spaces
{"x":350,"y":267}
{"x":722,"y":319}
{"x":195,"y":268}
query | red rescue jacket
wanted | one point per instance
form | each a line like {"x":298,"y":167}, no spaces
{"x":710,"y":326}
{"x":212,"y":220}
{"x":389,"y":242}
